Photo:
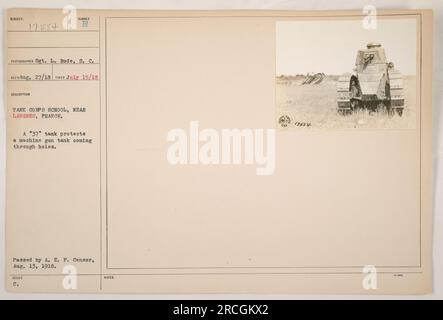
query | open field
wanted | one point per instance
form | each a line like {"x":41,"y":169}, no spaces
{"x":316,"y":104}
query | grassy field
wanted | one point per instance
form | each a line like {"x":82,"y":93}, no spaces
{"x":316,"y":104}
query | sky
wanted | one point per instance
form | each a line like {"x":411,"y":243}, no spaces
{"x":331,"y":46}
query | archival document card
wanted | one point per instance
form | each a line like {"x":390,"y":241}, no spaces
{"x":218,"y":151}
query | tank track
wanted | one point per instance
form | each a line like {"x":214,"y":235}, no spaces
{"x":343,"y":97}
{"x":396,"y":91}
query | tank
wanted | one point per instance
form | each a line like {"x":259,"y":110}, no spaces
{"x":375,"y":84}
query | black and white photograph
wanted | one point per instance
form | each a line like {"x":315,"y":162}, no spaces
{"x":347,"y":74}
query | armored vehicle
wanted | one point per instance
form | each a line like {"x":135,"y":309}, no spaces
{"x":375,"y":85}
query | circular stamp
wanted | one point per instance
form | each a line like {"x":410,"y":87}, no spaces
{"x":284,"y":121}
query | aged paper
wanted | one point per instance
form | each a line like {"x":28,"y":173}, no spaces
{"x":218,"y":152}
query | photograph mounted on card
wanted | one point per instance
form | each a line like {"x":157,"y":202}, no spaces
{"x":344,"y":74}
